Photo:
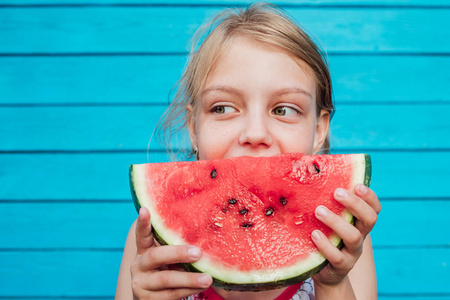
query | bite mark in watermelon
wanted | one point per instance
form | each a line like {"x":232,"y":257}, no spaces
{"x":252,"y":217}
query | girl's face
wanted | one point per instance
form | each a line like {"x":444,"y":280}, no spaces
{"x":257,"y":101}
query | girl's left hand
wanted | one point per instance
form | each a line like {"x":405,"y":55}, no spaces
{"x":365,"y":206}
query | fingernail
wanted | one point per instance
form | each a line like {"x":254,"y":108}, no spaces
{"x":204,"y":280}
{"x":141,"y":212}
{"x":341,"y":193}
{"x":362,"y":189}
{"x":194,"y":252}
{"x":315,"y":235}
{"x":321,"y":211}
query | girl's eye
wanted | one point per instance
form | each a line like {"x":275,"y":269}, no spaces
{"x":222,"y":109}
{"x":284,"y":111}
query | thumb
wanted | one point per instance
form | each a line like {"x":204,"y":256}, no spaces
{"x":144,"y":236}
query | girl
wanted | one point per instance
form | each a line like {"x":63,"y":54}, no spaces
{"x":256,"y":86}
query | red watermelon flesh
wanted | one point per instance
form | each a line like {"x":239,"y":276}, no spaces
{"x":252,"y":217}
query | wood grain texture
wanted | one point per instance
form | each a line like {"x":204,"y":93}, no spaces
{"x":122,"y":128}
{"x":148,"y":79}
{"x":64,"y":276}
{"x":159,"y":29}
{"x":334,"y":3}
{"x":82,"y":84}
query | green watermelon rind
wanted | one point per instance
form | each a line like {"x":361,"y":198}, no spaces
{"x":227,"y":279}
{"x":134,"y":196}
{"x":368,"y":170}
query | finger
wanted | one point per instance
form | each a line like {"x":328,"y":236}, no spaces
{"x":369,"y":196}
{"x":174,"y":280}
{"x":166,"y":255}
{"x":363,"y":212}
{"x":175,"y":267}
{"x":331,"y":253}
{"x":351,"y":236}
{"x":144,"y":236}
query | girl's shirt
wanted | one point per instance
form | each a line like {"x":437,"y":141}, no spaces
{"x":301,"y":291}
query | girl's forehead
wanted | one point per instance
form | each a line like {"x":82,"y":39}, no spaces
{"x":244,"y":60}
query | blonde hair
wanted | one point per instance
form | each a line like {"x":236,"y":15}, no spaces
{"x":261,"y":22}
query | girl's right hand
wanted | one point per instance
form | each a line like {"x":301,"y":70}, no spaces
{"x":154,"y":274}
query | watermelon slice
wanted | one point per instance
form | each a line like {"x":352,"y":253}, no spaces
{"x":252,"y":217}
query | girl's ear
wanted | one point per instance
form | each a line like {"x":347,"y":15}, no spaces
{"x":191,"y":125}
{"x":322,"y":129}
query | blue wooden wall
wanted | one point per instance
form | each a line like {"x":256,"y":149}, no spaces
{"x":82,"y":84}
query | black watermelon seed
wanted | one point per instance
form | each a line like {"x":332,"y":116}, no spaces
{"x":283,"y":200}
{"x":232,"y":201}
{"x":247,"y":225}
{"x":268,"y":211}
{"x":316,"y":167}
{"x":213,"y":173}
{"x":224,"y":210}
{"x":243,"y":211}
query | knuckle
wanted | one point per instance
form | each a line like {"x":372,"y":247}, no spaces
{"x":136,"y":287}
{"x":174,"y":294}
{"x":339,"y":261}
{"x":163,"y":279}
{"x":354,"y":238}
{"x":372,"y":219}
{"x":378,"y":208}
{"x":151,"y":256}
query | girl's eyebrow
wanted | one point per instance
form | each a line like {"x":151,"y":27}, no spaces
{"x":236,"y":92}
{"x":222,"y":88}
{"x":291,"y":90}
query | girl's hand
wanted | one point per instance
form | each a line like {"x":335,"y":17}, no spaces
{"x":153,"y":273}
{"x":365,"y":206}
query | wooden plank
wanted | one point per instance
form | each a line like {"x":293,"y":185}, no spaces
{"x":389,"y":127}
{"x":92,"y":128}
{"x":421,"y":222}
{"x":90,"y":176}
{"x":410,"y":174}
{"x":145,"y":79}
{"x":76,"y":274}
{"x":93,"y":225}
{"x":121,"y":128}
{"x":400,"y":271}
{"x":162,"y":29}
{"x":91,"y":79}
{"x":366,"y":79}
{"x":104,"y":176}
{"x":68,"y":225}
{"x":399,"y":3}
{"x":67,"y":274}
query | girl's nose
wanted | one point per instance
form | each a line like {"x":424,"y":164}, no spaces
{"x":255,"y":131}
